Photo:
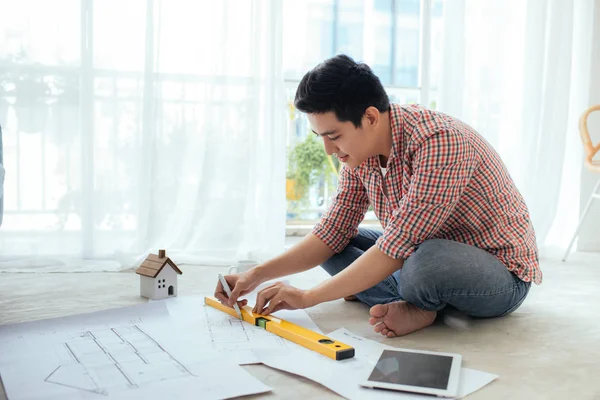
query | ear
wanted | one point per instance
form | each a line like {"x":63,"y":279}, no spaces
{"x":371,"y":116}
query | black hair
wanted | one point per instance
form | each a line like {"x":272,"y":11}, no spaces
{"x":341,"y":85}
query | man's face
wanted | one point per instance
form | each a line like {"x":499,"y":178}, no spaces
{"x":350,"y":144}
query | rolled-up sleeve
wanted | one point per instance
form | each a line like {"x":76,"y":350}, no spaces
{"x":442,"y":165}
{"x":340,"y":222}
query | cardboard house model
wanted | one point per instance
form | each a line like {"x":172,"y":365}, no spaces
{"x":158,"y":276}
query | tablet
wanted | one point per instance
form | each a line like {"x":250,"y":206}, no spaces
{"x":416,"y":371}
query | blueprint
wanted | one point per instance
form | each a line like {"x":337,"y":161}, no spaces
{"x":116,"y":358}
{"x":230,"y":335}
{"x":227,"y":336}
{"x":173,"y":348}
{"x":133,"y":352}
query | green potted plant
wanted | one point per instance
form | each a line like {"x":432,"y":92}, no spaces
{"x":304,"y":162}
{"x":307,"y":164}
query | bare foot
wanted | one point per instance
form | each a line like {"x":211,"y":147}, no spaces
{"x":399,"y":318}
{"x":350,"y":298}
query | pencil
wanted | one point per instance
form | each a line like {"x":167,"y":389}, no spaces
{"x":228,"y":291}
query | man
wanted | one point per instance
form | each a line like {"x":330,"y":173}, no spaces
{"x":456,"y":231}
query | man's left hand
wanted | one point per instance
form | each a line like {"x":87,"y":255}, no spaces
{"x":280,"y":296}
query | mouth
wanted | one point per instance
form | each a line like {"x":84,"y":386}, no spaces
{"x":344,"y":158}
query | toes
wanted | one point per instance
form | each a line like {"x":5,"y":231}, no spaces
{"x":380,"y":327}
{"x":379,"y":310}
{"x":390,"y":334}
{"x":375,"y":321}
{"x":385,"y":331}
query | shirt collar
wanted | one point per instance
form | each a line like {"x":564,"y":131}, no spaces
{"x":397,"y":126}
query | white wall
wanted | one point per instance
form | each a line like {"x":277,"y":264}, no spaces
{"x":589,"y":237}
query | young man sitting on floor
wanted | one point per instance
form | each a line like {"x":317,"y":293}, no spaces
{"x":456,"y":231}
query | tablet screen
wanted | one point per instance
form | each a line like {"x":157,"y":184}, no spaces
{"x":413,"y":369}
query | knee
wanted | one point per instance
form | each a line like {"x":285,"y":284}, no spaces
{"x":425,"y":262}
{"x":422,"y":271}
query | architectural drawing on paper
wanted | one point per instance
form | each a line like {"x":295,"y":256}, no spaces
{"x":230,"y":334}
{"x":114,"y":358}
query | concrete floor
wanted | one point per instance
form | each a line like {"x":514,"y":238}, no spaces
{"x":548,"y":349}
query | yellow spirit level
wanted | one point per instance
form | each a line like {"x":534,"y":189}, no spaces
{"x":290,"y":331}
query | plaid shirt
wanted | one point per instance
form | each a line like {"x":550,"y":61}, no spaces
{"x":443,"y":181}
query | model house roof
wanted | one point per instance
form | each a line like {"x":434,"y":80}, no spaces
{"x":153,"y":264}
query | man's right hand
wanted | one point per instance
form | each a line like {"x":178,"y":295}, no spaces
{"x":304,"y":255}
{"x":240,"y":284}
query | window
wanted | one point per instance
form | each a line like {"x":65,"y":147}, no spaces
{"x":60,"y":175}
{"x":399,"y":39}
{"x":72,"y":115}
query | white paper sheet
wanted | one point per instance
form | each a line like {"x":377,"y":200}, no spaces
{"x":343,"y":376}
{"x":227,"y":336}
{"x":127,"y":353}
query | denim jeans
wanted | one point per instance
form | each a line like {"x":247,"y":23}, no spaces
{"x":440,"y":273}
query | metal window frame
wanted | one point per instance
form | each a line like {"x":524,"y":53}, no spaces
{"x":424,"y":85}
{"x":425,"y":37}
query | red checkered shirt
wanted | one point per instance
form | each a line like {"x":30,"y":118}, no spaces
{"x":443,"y":181}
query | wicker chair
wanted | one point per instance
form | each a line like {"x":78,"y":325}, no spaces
{"x":593,"y":166}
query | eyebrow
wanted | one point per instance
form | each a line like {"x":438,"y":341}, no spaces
{"x":325,"y":133}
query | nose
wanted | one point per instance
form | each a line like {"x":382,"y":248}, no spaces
{"x":330,"y":148}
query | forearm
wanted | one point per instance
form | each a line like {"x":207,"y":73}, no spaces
{"x":366,"y":271}
{"x":306,"y":254}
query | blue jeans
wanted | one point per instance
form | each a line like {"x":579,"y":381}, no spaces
{"x":440,"y":273}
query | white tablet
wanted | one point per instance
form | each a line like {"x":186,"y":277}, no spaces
{"x":416,"y":371}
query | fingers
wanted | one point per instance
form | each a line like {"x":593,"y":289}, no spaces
{"x":236,"y":288}
{"x":241,"y":287}
{"x":275,"y":301}
{"x":235,"y":292}
{"x":263,"y":297}
{"x":220,"y":293}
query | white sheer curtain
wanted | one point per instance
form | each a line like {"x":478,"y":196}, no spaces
{"x":518,"y":71}
{"x":173,"y":135}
